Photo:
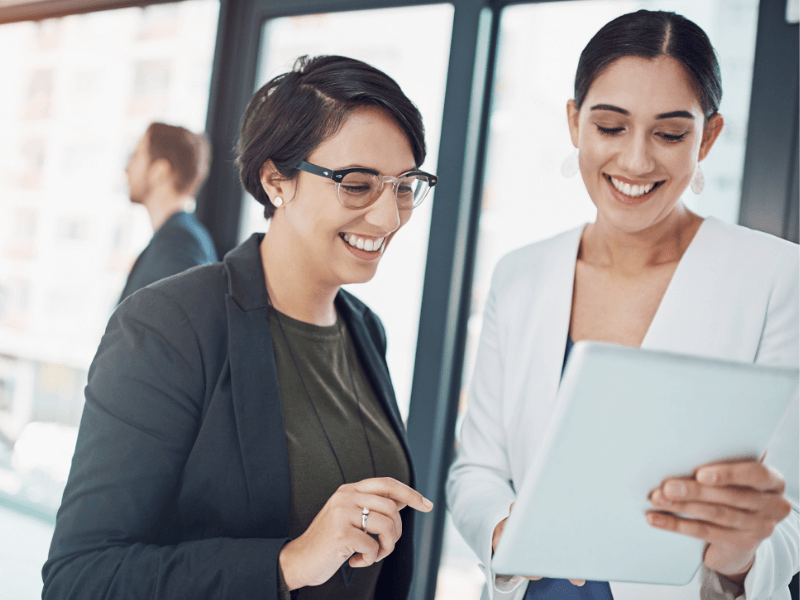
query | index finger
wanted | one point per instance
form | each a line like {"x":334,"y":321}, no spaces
{"x":751,"y":473}
{"x":399,"y":492}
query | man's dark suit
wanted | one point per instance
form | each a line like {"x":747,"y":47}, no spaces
{"x":179,"y":244}
{"x":179,"y":486}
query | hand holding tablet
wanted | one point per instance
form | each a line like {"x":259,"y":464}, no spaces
{"x":732,"y":506}
{"x":629,"y":430}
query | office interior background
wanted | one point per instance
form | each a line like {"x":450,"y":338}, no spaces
{"x":82,"y":79}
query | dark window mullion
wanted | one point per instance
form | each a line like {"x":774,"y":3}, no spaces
{"x":771,"y":130}
{"x":448,"y":274}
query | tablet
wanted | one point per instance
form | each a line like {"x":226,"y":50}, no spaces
{"x":624,"y":420}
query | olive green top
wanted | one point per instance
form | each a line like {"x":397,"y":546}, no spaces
{"x":320,"y":356}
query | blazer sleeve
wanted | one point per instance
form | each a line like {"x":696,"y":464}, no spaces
{"x":479,"y":489}
{"x":143,"y":404}
{"x":778,"y":557}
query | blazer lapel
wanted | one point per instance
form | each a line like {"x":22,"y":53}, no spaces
{"x":255,"y":392}
{"x":544,"y":300}
{"x":374,"y":367}
{"x":702,"y":312}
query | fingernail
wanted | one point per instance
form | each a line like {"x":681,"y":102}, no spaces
{"x":658,"y":498}
{"x":427,"y":503}
{"x":707,"y":476}
{"x":656,"y":519}
{"x":675,"y":489}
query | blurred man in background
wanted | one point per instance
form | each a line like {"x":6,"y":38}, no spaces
{"x":165,"y":172}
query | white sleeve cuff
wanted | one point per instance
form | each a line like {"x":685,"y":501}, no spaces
{"x":507,"y":583}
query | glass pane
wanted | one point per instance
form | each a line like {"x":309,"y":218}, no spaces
{"x":395,"y":292}
{"x":78,"y":95}
{"x":525,"y":196}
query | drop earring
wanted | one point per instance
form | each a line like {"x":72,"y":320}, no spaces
{"x":698,"y":180}
{"x":277,"y":202}
{"x":570,"y":166}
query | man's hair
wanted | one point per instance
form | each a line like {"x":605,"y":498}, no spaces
{"x":189,"y":155}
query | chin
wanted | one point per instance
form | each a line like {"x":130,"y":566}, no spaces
{"x":627,"y":223}
{"x":634,"y":219}
{"x":359,"y":276}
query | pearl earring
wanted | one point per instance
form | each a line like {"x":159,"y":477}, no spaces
{"x":570,"y":166}
{"x":277,"y":202}
{"x":698,"y":180}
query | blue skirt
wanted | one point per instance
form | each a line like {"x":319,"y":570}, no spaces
{"x":562,"y":589}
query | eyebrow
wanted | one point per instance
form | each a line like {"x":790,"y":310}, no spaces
{"x":685,"y":114}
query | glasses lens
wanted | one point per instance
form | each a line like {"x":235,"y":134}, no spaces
{"x":358,"y":189}
{"x":411,"y":191}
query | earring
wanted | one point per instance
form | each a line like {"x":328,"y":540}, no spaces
{"x":698,"y":181}
{"x":277,"y":202}
{"x":570,"y":166}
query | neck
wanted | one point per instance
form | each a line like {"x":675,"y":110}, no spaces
{"x":292,"y":283}
{"x":634,"y":252}
{"x":162,"y":205}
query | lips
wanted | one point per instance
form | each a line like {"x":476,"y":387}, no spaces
{"x":367,"y":244}
{"x":632,"y":194}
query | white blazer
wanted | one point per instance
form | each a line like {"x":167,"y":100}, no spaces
{"x":734,"y":296}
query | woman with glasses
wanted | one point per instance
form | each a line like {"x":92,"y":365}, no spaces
{"x":647,"y":273}
{"x":240,"y":437}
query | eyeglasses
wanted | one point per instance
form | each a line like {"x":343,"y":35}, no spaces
{"x":360,"y":187}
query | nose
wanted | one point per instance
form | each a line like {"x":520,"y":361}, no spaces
{"x":636,"y":155}
{"x":383,"y":212}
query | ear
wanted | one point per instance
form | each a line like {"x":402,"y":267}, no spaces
{"x":711,"y":132}
{"x":160,"y":170}
{"x":274,"y":184}
{"x":573,"y":117}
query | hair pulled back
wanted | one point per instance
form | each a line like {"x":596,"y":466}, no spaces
{"x":652,"y":34}
{"x":290,"y":116}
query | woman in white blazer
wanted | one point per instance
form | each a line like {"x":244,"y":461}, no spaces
{"x":647,"y":273}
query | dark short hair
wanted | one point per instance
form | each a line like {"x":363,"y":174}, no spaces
{"x":652,"y":34}
{"x":288,"y":118}
{"x":188,"y":154}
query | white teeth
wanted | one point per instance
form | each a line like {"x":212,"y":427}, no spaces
{"x":634,"y":191}
{"x":367,"y":244}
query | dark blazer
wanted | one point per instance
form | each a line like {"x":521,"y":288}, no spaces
{"x":179,"y":244}
{"x":179,"y":486}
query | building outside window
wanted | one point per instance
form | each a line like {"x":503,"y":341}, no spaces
{"x":77,"y":97}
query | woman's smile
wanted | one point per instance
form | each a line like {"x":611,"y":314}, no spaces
{"x":630,"y":192}
{"x":364,"y":246}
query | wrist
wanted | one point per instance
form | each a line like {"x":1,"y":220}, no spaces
{"x":286,"y":564}
{"x":739,"y":576}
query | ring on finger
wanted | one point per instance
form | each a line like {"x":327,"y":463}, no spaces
{"x":364,"y":515}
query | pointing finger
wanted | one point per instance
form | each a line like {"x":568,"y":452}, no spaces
{"x":399,"y":492}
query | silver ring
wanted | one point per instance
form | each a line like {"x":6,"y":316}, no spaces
{"x":364,"y":515}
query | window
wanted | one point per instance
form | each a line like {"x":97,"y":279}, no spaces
{"x":79,"y":94}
